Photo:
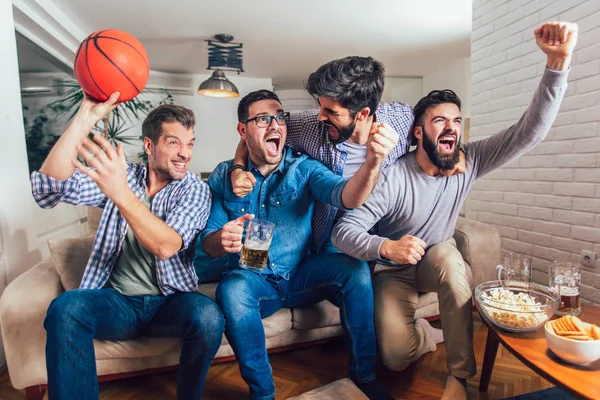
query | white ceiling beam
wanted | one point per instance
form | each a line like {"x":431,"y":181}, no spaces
{"x":42,"y":22}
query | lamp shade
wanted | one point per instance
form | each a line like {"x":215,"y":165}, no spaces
{"x":218,"y":86}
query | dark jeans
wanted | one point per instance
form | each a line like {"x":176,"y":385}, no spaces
{"x":77,"y":317}
{"x":246,"y":297}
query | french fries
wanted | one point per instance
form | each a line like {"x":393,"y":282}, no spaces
{"x":571,"y":327}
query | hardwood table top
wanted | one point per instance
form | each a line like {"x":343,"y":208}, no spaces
{"x":532,"y":349}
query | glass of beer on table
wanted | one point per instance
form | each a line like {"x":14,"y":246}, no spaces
{"x":565,"y":278}
{"x":255,"y":252}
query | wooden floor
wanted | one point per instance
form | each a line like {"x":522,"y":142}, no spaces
{"x":298,"y":371}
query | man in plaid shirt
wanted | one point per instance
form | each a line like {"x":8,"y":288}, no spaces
{"x":348,"y":91}
{"x":139,"y":279}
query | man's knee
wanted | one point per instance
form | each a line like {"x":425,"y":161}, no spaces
{"x":358,"y":270}
{"x":64,"y":310}
{"x":235,"y":291}
{"x":206,"y":319}
{"x":396,"y":354}
{"x":448,"y":264}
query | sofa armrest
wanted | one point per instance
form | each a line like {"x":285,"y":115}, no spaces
{"x":480,"y":246}
{"x":23,"y":307}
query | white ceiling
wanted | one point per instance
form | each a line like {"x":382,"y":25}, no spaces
{"x":287,"y":40}
{"x":33,"y":58}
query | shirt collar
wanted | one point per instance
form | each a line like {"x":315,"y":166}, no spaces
{"x":142,"y":178}
{"x":281,"y":168}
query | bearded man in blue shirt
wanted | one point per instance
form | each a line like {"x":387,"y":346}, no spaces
{"x":139,"y":279}
{"x":288,"y":184}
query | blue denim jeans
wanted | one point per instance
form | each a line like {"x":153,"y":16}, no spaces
{"x":77,"y":317}
{"x":246,"y":297}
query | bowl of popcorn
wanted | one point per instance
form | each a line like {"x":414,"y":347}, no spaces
{"x":573,"y":340}
{"x":516,"y":306}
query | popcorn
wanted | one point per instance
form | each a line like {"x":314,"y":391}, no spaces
{"x":516,"y":302}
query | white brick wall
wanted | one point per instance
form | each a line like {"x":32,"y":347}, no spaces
{"x":547,"y":203}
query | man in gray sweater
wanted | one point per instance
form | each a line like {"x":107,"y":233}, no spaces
{"x":416,"y":209}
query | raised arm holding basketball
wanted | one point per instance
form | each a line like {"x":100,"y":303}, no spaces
{"x":58,"y":164}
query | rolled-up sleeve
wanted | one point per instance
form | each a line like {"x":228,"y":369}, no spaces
{"x":79,"y":189}
{"x":190,"y":214}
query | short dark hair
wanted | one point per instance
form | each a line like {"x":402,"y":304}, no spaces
{"x":252,"y":98}
{"x":434,"y":98}
{"x":354,"y":82}
{"x":152,"y":126}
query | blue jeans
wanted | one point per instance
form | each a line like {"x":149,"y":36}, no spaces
{"x":77,"y":317}
{"x":246,"y":297}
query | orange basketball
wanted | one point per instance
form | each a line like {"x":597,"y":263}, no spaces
{"x":111,"y":60}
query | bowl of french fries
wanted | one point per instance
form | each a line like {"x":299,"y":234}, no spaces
{"x":516,"y":306}
{"x":573,"y":340}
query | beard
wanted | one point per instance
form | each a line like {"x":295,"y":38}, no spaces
{"x":442,"y":161}
{"x":169,"y":173}
{"x":344,"y":132}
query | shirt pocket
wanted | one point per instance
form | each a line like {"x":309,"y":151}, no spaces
{"x":237,"y":208}
{"x":284,"y":207}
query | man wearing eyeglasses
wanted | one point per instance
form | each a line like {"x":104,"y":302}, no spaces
{"x":288,"y":184}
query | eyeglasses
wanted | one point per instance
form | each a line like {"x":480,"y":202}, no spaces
{"x":264,"y":121}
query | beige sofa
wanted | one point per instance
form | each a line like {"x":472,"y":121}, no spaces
{"x":24,"y":303}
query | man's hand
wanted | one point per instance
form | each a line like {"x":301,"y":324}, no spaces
{"x":557,"y":40}
{"x":382,"y":140}
{"x":459,"y":168}
{"x":107,"y":167}
{"x":407,"y":250}
{"x":242,"y":181}
{"x":90,"y":111}
{"x":232,"y":232}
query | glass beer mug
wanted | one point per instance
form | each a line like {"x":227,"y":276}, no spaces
{"x":517,"y":267}
{"x":565,"y":278}
{"x":255,"y":251}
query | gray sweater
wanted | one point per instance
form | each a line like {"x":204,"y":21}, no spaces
{"x":406,"y":201}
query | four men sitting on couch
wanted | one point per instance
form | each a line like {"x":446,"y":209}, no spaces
{"x":140,"y":279}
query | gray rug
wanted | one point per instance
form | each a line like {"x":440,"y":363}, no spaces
{"x":343,"y":389}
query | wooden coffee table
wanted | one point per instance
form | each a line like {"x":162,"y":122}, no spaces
{"x":582,"y":381}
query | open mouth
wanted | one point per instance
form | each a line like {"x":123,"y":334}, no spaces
{"x":334,"y":133}
{"x":447,"y":143}
{"x":180,"y":166}
{"x":272,"y":145}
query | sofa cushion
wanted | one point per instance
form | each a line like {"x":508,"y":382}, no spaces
{"x":317,"y":315}
{"x":70,"y":257}
{"x":143,"y":347}
{"x":146,"y":346}
{"x":94,"y":215}
{"x":324,"y":314}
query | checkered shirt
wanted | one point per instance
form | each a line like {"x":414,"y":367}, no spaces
{"x":183,"y":204}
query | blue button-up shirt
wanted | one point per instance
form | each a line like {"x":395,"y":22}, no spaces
{"x":182,"y":204}
{"x":286,"y":197}
{"x":307,"y":134}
